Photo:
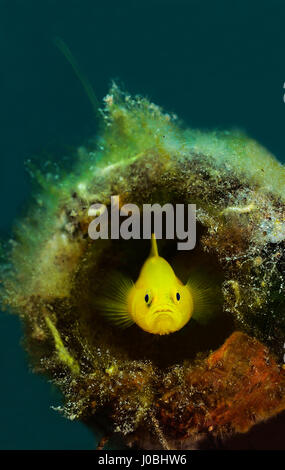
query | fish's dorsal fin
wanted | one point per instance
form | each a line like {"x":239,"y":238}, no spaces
{"x":154,"y":250}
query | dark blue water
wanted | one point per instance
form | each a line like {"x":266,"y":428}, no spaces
{"x":214,"y":63}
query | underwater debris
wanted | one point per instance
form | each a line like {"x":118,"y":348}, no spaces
{"x":229,"y":391}
{"x":172,"y":387}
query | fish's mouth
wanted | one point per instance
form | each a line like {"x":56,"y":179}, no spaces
{"x":162,"y":320}
{"x":163,"y":311}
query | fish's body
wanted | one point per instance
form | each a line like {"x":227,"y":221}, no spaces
{"x":158,"y":302}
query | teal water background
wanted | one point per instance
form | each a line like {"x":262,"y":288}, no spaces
{"x":215,"y":63}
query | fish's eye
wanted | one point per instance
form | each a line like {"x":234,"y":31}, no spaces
{"x":146,"y":298}
{"x":177,"y":296}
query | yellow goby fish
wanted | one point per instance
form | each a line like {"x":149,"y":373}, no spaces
{"x":158,"y":302}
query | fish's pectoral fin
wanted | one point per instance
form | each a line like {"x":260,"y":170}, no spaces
{"x":207,"y":298}
{"x":112,"y":302}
